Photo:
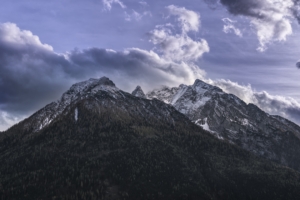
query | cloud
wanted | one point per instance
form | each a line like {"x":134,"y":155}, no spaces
{"x":143,"y":3}
{"x":32,"y":74}
{"x":276,"y":105}
{"x":129,"y":16}
{"x":284,"y":106}
{"x":12,"y":36}
{"x":270,"y":19}
{"x":179,"y":46}
{"x":298,"y":64}
{"x":229,"y":27}
{"x":176,"y":46}
{"x":136,"y":15}
{"x":25,"y":62}
{"x":188,"y":19}
{"x":108,"y":4}
{"x":7,"y":120}
{"x":138,"y":65}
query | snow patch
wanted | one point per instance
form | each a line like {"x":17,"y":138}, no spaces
{"x":204,"y":126}
{"x":178,"y":95}
{"x":44,"y":123}
{"x":245,"y":122}
{"x":76,"y":114}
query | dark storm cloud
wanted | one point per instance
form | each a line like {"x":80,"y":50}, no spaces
{"x":255,"y":8}
{"x":244,"y":7}
{"x":296,"y":10}
{"x":271,"y":20}
{"x":298,"y":65}
{"x":25,"y":64}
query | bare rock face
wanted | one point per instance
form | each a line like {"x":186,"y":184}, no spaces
{"x":229,"y":118}
{"x":138,"y":92}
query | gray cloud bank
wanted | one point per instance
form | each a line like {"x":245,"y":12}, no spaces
{"x":32,"y":74}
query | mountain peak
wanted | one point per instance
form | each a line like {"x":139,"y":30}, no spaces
{"x":92,"y":85}
{"x":138,"y":92}
{"x":103,"y":81}
{"x":77,"y":91}
{"x":202,"y":85}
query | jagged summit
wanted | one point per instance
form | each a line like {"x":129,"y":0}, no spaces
{"x":201,"y":84}
{"x":77,"y":91}
{"x":104,"y":81}
{"x":229,"y":118}
{"x":138,"y":92}
{"x":92,"y":83}
{"x":87,"y":87}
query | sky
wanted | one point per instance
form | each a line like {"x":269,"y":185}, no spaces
{"x":246,"y":47}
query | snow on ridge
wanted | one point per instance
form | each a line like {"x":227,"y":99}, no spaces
{"x":76,"y":92}
{"x":164,"y":94}
{"x":90,"y":86}
{"x":204,"y":125}
{"x":138,"y":92}
{"x":245,"y":122}
{"x":179,"y":93}
{"x":76,"y":114}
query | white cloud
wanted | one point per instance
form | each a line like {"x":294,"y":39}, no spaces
{"x":271,"y":30}
{"x":229,"y":27}
{"x":136,"y":15}
{"x":188,"y":19}
{"x":11,"y":34}
{"x":270,"y":19}
{"x":108,"y":4}
{"x":179,"y":46}
{"x":143,"y":3}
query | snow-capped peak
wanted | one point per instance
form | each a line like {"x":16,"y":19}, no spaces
{"x":201,"y":86}
{"x":89,"y":87}
{"x":138,"y":92}
{"x":76,"y":92}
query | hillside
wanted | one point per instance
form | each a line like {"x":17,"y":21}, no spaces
{"x":109,"y":144}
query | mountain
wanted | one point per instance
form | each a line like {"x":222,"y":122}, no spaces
{"x":229,"y":118}
{"x":138,"y":92}
{"x":99,"y":142}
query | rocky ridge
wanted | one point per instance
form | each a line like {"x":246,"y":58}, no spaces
{"x":138,"y":92}
{"x":229,"y":118}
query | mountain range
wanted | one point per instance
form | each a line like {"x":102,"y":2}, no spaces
{"x":186,"y":142}
{"x":229,"y":118}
